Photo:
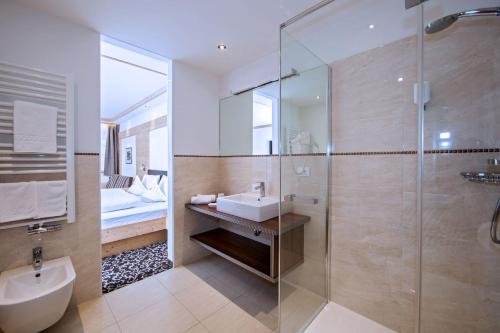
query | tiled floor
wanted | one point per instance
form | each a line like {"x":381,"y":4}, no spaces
{"x":211,"y":295}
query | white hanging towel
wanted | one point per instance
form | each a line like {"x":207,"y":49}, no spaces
{"x":18,"y":201}
{"x":35,"y":128}
{"x":50,"y":198}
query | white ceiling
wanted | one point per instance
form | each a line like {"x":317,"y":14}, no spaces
{"x":347,"y":27}
{"x":187,"y":30}
{"x":124,"y":85}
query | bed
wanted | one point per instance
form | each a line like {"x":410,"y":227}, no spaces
{"x":127,"y":222}
{"x":139,"y":213}
{"x":118,"y":207}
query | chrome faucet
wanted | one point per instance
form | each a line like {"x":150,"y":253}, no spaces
{"x":37,"y":258}
{"x":259,"y":186}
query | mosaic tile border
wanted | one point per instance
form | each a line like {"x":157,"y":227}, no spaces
{"x":370,"y":153}
{"x":364,"y":153}
{"x":428,"y":152}
{"x":86,"y":154}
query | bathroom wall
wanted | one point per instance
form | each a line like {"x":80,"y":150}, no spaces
{"x":263,"y":69}
{"x":37,"y":40}
{"x":461,"y":265}
{"x":195,"y":165}
{"x":34,"y":39}
{"x":79,"y":240}
{"x":373,"y":184}
{"x":240,"y":172}
{"x":142,"y":147}
{"x":195,"y":110}
{"x":193,"y":175}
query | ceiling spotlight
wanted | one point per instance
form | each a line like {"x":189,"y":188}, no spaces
{"x":371,"y":26}
{"x":400,"y":79}
{"x":317,"y":97}
{"x":222,"y":46}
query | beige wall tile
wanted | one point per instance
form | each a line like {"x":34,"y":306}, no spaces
{"x":370,"y":106}
{"x":464,"y":85}
{"x":460,"y":263}
{"x":192,"y":175}
{"x":80,"y":240}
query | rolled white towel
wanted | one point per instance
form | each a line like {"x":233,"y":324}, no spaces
{"x":203,"y":199}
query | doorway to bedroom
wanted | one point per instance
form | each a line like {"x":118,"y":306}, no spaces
{"x":133,"y":165}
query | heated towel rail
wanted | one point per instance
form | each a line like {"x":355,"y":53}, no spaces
{"x":18,"y":83}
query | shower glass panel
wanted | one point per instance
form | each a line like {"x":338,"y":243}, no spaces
{"x":460,"y":262}
{"x":370,"y":48}
{"x":304,"y":161}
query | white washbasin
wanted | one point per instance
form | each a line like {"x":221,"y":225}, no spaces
{"x":31,"y":304}
{"x":249,"y":206}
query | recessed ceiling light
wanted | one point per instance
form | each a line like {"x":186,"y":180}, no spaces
{"x":317,"y":97}
{"x":222,"y":46}
{"x":401,"y":79}
{"x":371,"y":26}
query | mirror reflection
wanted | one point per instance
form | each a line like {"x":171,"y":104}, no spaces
{"x":249,"y":122}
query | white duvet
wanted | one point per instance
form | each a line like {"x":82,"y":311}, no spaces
{"x":116,"y":199}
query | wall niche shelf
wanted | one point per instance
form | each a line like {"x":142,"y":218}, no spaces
{"x":482,"y":177}
{"x":256,"y":257}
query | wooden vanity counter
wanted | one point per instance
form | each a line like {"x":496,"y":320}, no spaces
{"x":289,"y":221}
{"x":254,"y":256}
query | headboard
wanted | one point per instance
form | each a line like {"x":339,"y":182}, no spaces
{"x":157,"y":172}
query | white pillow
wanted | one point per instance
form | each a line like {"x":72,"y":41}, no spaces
{"x":154,"y":194}
{"x":149,"y":180}
{"x":137,"y":187}
{"x":164,"y":185}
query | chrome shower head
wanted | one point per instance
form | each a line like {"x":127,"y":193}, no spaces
{"x":441,"y":24}
{"x":444,"y":22}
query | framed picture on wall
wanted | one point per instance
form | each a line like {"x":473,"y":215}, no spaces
{"x":128,"y":155}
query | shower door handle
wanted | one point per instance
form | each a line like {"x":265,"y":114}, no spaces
{"x":494,"y":222}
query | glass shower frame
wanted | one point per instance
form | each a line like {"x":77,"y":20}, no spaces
{"x":324,"y":153}
{"x":420,"y":153}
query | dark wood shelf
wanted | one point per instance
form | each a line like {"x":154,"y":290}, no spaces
{"x":242,"y":250}
{"x":289,"y":221}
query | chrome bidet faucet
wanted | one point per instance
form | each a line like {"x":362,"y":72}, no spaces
{"x":37,"y":258}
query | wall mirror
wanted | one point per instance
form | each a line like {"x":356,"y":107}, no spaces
{"x":249,"y":122}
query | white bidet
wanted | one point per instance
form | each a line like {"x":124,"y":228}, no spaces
{"x":31,"y":301}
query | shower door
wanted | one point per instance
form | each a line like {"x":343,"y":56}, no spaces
{"x":304,"y":170}
{"x":460,"y":272}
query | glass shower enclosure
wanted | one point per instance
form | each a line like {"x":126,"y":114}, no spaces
{"x":390,"y":145}
{"x":304,"y":183}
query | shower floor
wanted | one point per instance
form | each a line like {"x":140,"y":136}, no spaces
{"x":336,"y":318}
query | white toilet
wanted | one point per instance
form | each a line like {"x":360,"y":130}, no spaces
{"x":31,"y":301}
